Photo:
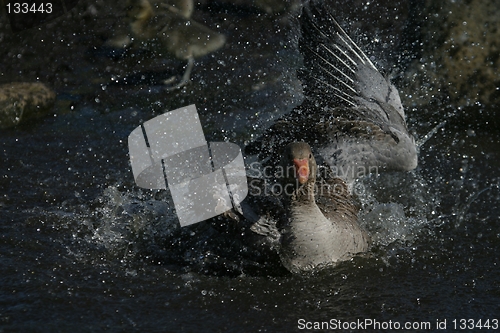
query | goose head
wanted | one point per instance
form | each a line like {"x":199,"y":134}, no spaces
{"x":298,"y":169}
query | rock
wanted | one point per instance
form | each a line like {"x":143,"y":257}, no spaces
{"x":459,"y":60}
{"x":21,"y":101}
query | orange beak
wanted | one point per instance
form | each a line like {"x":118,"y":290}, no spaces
{"x":301,"y":169}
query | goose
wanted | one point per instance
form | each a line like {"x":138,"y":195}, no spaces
{"x":169,"y":28}
{"x":350,"y":123}
{"x":320,"y":227}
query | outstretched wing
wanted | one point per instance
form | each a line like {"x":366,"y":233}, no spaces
{"x":352,"y":116}
{"x":338,"y":73}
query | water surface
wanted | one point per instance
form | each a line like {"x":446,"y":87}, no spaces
{"x":83,"y":249}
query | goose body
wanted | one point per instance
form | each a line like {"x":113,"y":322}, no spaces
{"x":353,"y":121}
{"x":320,"y":226}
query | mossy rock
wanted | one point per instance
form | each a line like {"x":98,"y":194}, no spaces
{"x":21,"y":101}
{"x":460,"y":51}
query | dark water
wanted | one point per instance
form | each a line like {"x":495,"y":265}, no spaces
{"x":83,"y":249}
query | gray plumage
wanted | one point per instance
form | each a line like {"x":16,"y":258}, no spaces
{"x":320,"y":227}
{"x":352,"y":116}
{"x":353,"y":119}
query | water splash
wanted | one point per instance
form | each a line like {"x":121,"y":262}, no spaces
{"x":396,"y":208}
{"x":125,"y":217}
